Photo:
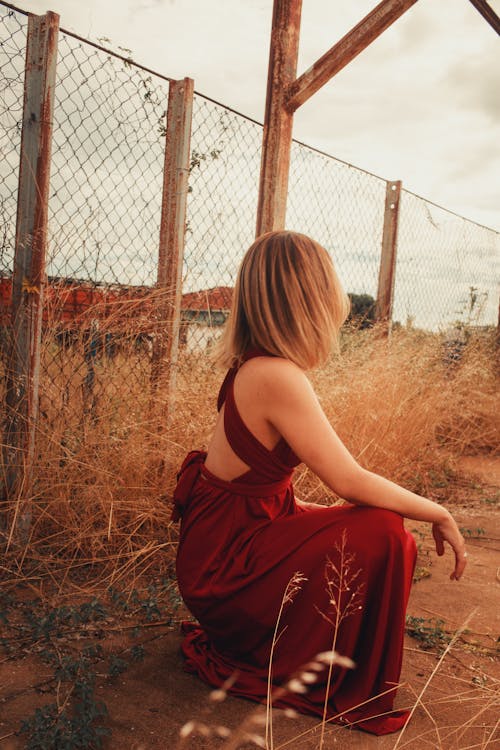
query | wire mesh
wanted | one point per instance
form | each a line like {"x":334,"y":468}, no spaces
{"x":104,"y":219}
{"x":107,"y":164}
{"x":104,"y":215}
{"x":222,"y":205}
{"x":13,"y":28}
{"x":342,"y":208}
{"x":447,"y":268}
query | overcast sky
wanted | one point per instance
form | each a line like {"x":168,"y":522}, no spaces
{"x":421,"y":104}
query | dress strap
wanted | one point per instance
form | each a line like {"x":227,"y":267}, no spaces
{"x":228,"y":380}
{"x":231,"y":374}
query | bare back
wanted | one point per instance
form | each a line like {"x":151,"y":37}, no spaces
{"x":249,"y":395}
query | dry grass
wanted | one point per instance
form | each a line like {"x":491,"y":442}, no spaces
{"x":403,"y":411}
{"x":106,"y":467}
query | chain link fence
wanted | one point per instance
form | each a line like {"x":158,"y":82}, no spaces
{"x":107,"y":168}
{"x":104,"y":219}
{"x":342,"y":207}
{"x":222,"y":206}
{"x":448,"y":268}
{"x":13,"y":27}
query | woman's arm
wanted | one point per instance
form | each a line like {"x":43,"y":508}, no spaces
{"x":294,"y":410}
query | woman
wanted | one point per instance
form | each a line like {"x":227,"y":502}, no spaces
{"x":254,"y":562}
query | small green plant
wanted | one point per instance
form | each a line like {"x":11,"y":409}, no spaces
{"x":117,"y":666}
{"x":472,"y":533}
{"x":438,"y":479}
{"x":60,"y":636}
{"x":480,"y":680}
{"x":429,"y":631}
{"x":53,"y":728}
{"x":420,"y":573}
{"x":493,"y":499}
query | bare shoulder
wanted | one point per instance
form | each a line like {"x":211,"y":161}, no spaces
{"x":268,"y":367}
{"x":274,"y":377}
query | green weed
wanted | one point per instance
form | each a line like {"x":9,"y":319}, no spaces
{"x":66,"y":639}
{"x":420,"y":573}
{"x":472,"y":533}
{"x":492,"y":498}
{"x":428,"y":631}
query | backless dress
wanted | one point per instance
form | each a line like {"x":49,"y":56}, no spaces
{"x":340,"y":575}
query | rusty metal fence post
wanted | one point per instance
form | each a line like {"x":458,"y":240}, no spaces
{"x":172,"y":234}
{"x":29,"y":270}
{"x":285,"y":93}
{"x":278,"y":122}
{"x":387,"y":270}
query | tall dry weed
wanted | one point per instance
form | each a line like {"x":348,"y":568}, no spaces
{"x":402,"y":409}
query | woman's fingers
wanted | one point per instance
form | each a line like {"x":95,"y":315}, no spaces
{"x":445,"y":533}
{"x":438,"y":539}
{"x":457,"y":542}
{"x":460,"y":563}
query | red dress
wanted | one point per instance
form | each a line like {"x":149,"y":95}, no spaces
{"x":241,"y":542}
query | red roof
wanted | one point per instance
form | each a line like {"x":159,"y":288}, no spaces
{"x":217,"y":298}
{"x":69,"y":299}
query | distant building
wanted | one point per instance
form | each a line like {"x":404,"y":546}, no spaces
{"x":73,"y":306}
{"x":203,"y":314}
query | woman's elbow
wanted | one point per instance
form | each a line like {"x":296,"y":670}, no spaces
{"x":352,"y":484}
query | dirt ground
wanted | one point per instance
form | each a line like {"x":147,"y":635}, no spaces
{"x":459,"y":701}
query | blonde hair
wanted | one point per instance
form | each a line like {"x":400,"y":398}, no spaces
{"x":287,"y":300}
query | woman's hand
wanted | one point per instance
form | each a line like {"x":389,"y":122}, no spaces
{"x":447,"y":531}
{"x":309,"y":506}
